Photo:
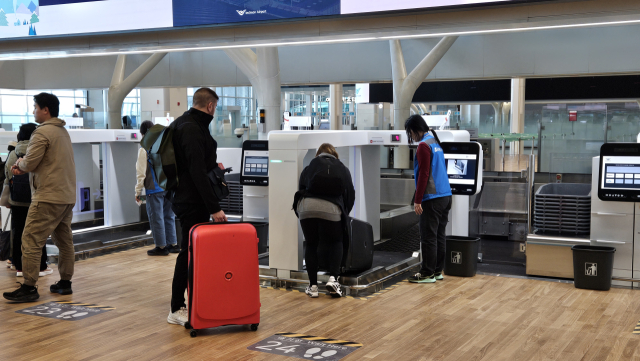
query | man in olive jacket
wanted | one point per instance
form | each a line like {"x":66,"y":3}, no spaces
{"x":49,"y":161}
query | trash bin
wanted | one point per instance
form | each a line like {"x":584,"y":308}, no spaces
{"x":593,"y":267}
{"x":462,"y":256}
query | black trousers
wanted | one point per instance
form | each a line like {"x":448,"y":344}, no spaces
{"x":189,"y":215}
{"x":433,"y":224}
{"x":18,"y":220}
{"x":324,"y":239}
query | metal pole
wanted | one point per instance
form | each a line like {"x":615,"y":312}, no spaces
{"x":540,"y":128}
{"x":504,"y":145}
{"x":531,"y":174}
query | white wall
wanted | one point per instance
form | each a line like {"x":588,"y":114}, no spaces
{"x":178,"y":102}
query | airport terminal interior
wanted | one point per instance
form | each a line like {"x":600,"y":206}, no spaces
{"x":536,"y":105}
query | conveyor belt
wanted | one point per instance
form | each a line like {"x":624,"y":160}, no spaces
{"x":406,"y":242}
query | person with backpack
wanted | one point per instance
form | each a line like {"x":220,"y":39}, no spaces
{"x":51,"y":165}
{"x":19,"y":201}
{"x":194,"y":200}
{"x":323,"y":202}
{"x":161,"y":218}
{"x":432,"y":201}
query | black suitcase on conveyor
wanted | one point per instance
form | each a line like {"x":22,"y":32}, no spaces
{"x":358,"y":256}
{"x":358,"y":250}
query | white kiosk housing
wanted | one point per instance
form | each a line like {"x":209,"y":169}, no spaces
{"x":291,"y":151}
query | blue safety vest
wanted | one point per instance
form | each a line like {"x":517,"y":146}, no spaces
{"x":438,"y":184}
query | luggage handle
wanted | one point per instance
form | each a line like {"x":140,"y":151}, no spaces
{"x":6,"y":222}
{"x":254,"y":217}
{"x":255,"y":196}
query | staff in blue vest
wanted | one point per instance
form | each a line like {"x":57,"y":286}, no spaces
{"x":432,"y":201}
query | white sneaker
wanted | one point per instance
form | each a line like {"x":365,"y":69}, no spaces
{"x":312,"y":291}
{"x":19,"y":274}
{"x":46,"y":272}
{"x":180,"y":317}
{"x":334,"y":287}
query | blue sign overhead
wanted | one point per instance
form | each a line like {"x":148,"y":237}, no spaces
{"x":206,"y":12}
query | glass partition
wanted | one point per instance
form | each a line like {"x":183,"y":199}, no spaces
{"x":572,"y":133}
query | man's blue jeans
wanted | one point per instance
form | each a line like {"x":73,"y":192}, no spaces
{"x":161,"y":219}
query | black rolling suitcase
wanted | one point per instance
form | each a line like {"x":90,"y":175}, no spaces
{"x":358,"y":253}
{"x":358,"y":249}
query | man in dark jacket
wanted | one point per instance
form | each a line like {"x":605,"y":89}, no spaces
{"x":194,"y":200}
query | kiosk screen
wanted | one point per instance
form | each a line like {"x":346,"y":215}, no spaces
{"x":255,"y":163}
{"x":619,"y":178}
{"x":621,"y":173}
{"x":463,"y":161}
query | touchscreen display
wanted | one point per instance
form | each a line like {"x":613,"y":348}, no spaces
{"x":256,"y":163}
{"x":461,"y":168}
{"x":621,"y":172}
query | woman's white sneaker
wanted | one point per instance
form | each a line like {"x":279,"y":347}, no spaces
{"x":312,"y":291}
{"x":180,"y":317}
{"x":46,"y":272}
{"x":334,"y":287}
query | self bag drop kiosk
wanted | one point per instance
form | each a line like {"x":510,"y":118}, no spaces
{"x":291,"y":151}
{"x":254,"y":177}
{"x":615,"y":211}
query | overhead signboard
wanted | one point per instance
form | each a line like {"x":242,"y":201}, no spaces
{"x":193,"y":12}
{"x":22,"y":18}
{"x":362,"y":93}
{"x":368,"y":6}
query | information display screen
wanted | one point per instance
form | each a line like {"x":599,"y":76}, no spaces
{"x":621,"y":173}
{"x":255,"y":163}
{"x":461,"y":168}
{"x":463,"y":161}
{"x":367,"y":6}
{"x":619,"y":178}
{"x":23,"y":18}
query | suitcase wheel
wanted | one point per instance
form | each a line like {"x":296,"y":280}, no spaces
{"x":193,"y":333}
{"x":187,"y":325}
{"x":254,"y":327}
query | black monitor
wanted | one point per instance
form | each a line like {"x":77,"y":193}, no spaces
{"x":255,"y":163}
{"x":619,"y":177}
{"x":464,"y":167}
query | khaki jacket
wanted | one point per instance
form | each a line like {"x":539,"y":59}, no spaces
{"x":21,"y":150}
{"x":50,"y":161}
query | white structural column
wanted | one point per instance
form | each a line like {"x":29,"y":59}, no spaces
{"x":121,"y":87}
{"x":517,"y":112}
{"x":405,"y":86}
{"x":263,"y":70}
{"x":506,"y":113}
{"x":414,"y":109}
{"x":497,"y":109}
{"x":335,"y":106}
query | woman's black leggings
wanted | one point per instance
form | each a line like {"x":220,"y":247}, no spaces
{"x":324,"y":241}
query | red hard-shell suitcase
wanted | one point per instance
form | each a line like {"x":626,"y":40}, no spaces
{"x":224,"y":285}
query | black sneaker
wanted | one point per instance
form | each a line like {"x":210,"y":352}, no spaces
{"x":61,"y":287}
{"x":158,"y":252}
{"x":173,"y":248}
{"x":23,"y":294}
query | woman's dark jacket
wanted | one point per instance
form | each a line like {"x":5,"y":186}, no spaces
{"x":345,"y":201}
